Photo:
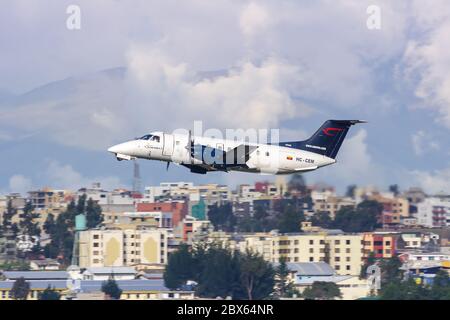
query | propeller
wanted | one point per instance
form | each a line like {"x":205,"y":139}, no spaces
{"x":167,"y":166}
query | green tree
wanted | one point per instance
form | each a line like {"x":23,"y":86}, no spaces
{"x":261,"y":221}
{"x":322,"y":219}
{"x":81,"y":205}
{"x":61,"y":233}
{"x":94,"y":214}
{"x":290,"y":219}
{"x":50,"y":224}
{"x":440,"y":290}
{"x":350,"y":191}
{"x":403,"y":290}
{"x":297,"y":183}
{"x":284,"y":288}
{"x":222,"y":217}
{"x":218,"y":272}
{"x":256,"y":275}
{"x":111,"y":289}
{"x":8,"y":216}
{"x":17,"y":265}
{"x":180,"y":268}
{"x":369,"y":261}
{"x":365,"y":217}
{"x":27,"y":222}
{"x":49,"y":294}
{"x":20,"y":289}
{"x":394,"y":189}
{"x":390,"y":270}
{"x":321,"y":290}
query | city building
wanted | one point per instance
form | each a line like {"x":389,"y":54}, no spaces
{"x":304,"y":274}
{"x":382,"y":245}
{"x":122,"y":247}
{"x":434,"y":212}
{"x":344,"y":252}
{"x":179,"y":209}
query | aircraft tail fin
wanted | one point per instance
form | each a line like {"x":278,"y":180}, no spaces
{"x":327,"y":139}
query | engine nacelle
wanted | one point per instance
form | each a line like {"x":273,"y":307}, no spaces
{"x":121,"y":157}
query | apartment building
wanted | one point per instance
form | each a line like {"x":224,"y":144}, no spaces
{"x":434,"y":212}
{"x":382,"y":245}
{"x":122,"y":247}
{"x":209,"y":193}
{"x":327,"y":201}
{"x":179,"y":209}
{"x":395,"y":209}
{"x":344,"y":252}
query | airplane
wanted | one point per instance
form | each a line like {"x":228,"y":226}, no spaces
{"x":205,"y":154}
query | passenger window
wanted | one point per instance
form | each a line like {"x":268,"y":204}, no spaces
{"x":267,"y":153}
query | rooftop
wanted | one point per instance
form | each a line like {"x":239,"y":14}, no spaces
{"x":36,"y":275}
{"x":310,"y":268}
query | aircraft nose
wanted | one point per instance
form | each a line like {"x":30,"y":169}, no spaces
{"x":114,"y":149}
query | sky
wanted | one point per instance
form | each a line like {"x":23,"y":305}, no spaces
{"x":133,"y":67}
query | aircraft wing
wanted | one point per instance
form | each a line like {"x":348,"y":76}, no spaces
{"x":240,"y":154}
{"x":237,"y":156}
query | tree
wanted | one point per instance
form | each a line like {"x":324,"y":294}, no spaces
{"x":20,"y":289}
{"x":394,"y":189}
{"x":403,"y":290}
{"x":18,"y":265}
{"x":7,"y":216}
{"x":321,"y":290}
{"x":369,"y":261}
{"x":365,"y":217}
{"x":322,"y":219}
{"x":290,"y":219}
{"x":284,"y":288}
{"x":94,"y":214}
{"x":180,"y":268}
{"x":222,"y":217}
{"x":49,"y":294}
{"x":297,"y":183}
{"x":440,"y":290}
{"x":390,"y":270}
{"x":411,"y":290}
{"x":111,"y":289}
{"x":256,"y":275}
{"x":27,"y":222}
{"x":350,"y":191}
{"x":50,"y":224}
{"x":261,"y":221}
{"x":218,"y":272}
{"x":61,"y":229}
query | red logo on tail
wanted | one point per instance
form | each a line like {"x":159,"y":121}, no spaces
{"x":328,"y":133}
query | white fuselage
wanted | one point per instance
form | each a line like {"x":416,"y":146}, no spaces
{"x":266,"y":158}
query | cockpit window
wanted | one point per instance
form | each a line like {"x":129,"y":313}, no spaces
{"x":150,"y":137}
{"x":146,"y":137}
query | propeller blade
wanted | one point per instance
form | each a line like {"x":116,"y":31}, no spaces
{"x":167,"y":166}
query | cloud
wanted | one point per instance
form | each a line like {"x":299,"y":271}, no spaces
{"x":246,"y":96}
{"x":19,"y":183}
{"x":437,"y":181}
{"x":427,"y":58}
{"x":423,"y":142}
{"x":64,"y":176}
{"x":254,"y":19}
{"x":279,"y":61}
{"x":355,"y":164}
